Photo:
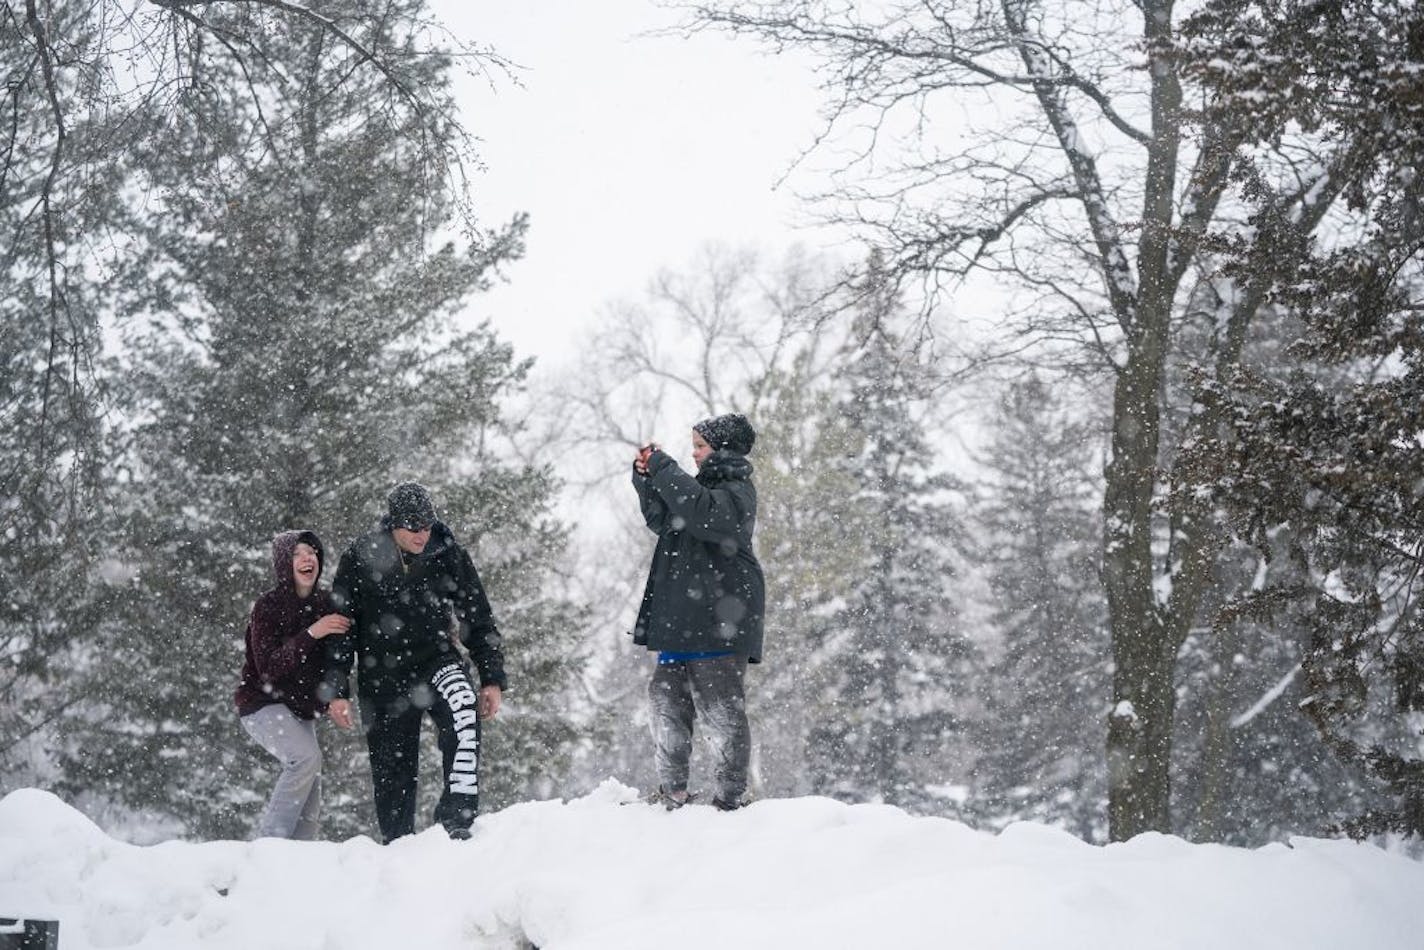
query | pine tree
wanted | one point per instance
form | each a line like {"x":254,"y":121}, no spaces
{"x":1042,"y":727}
{"x":1320,"y":467}
{"x":890,"y":660}
{"x":54,"y":447}
{"x":804,"y":497}
{"x":1250,"y":767}
{"x":296,"y":358}
{"x":1246,"y":768}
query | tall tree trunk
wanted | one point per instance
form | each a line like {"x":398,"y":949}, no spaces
{"x":1140,"y":723}
{"x":1216,"y":744}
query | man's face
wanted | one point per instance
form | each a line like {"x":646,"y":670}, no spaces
{"x":411,"y":541}
{"x":305,"y":566}
{"x":700,"y":448}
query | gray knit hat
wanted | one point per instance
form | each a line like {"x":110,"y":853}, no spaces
{"x":409,"y":506}
{"x":731,"y":431}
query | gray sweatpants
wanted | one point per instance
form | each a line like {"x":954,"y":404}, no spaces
{"x":294,"y":810}
{"x":713,"y":690}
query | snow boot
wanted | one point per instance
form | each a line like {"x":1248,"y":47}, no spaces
{"x":670,"y":800}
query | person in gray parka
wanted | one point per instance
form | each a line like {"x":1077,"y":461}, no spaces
{"x":703,"y":607}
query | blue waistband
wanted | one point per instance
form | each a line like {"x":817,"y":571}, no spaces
{"x":673,"y":656}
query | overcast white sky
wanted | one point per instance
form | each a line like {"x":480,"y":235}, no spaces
{"x":628,"y":151}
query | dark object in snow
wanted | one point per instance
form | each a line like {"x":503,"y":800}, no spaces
{"x":459,"y":834}
{"x":732,"y":805}
{"x":409,"y":506}
{"x":21,"y":934}
{"x":731,"y":431}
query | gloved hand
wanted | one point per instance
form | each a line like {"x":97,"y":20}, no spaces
{"x":656,"y":460}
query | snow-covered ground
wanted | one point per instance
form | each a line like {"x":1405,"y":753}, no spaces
{"x":595,"y":873}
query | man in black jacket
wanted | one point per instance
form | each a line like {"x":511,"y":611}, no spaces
{"x":703,"y":605}
{"x":411,"y":592}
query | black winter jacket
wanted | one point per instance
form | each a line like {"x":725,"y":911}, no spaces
{"x":403,"y":609}
{"x":705,"y":588}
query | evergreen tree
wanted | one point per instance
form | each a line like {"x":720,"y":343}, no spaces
{"x":1247,"y":768}
{"x":890,"y":661}
{"x":295,"y":358}
{"x":1250,"y":767}
{"x":804,"y":497}
{"x":1045,"y":693}
{"x":1321,"y":466}
{"x":53,"y":443}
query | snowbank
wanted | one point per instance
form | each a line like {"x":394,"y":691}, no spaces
{"x":598,"y":873}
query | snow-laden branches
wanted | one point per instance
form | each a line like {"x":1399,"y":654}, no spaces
{"x":942,"y":193}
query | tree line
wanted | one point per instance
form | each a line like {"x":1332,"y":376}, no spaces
{"x":266,"y":218}
{"x":932,"y":546}
{"x":1170,"y":195}
{"x":1167,"y":584}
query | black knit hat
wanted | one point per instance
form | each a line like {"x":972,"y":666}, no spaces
{"x":731,"y":431}
{"x":409,"y":506}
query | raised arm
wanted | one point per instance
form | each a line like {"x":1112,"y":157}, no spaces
{"x":708,"y":514}
{"x":655,"y":512}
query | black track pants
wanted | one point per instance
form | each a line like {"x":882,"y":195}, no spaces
{"x":393,"y":738}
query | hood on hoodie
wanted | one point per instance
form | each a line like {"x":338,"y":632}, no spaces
{"x":284,"y":546}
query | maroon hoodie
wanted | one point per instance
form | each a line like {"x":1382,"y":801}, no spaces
{"x":284,"y":663}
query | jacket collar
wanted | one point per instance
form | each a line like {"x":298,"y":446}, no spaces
{"x":441,"y":540}
{"x":724,"y":465}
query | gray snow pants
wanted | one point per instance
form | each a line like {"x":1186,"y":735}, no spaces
{"x":294,"y":810}
{"x":710,"y":689}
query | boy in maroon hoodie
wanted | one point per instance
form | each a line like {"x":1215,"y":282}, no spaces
{"x":276,"y":697}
